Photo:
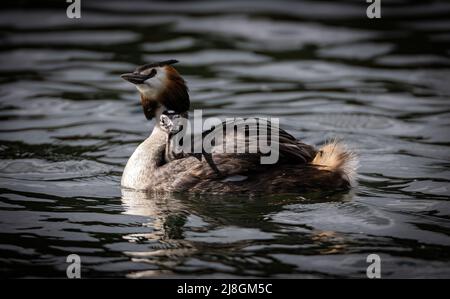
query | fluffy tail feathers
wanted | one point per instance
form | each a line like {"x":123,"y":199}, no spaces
{"x":335,"y":157}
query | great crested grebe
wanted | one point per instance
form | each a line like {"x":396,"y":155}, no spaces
{"x":172,"y":123}
{"x":300,"y":167}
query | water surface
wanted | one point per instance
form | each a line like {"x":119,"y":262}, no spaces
{"x":68,"y":124}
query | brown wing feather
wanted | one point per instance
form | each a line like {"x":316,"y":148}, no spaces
{"x":291,"y":150}
{"x":191,"y":170}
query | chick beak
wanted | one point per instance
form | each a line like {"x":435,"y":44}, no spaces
{"x":134,"y":78}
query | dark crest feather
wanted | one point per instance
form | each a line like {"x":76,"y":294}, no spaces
{"x":155,"y":64}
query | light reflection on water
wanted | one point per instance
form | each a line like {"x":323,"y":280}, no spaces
{"x":69,"y":123}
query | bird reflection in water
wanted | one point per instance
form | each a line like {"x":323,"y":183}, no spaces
{"x":185,"y":226}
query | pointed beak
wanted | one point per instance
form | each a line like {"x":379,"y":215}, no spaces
{"x":134,"y":78}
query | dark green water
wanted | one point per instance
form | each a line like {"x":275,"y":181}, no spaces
{"x":68,"y":124}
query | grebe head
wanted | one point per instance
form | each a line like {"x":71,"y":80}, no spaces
{"x":172,"y":122}
{"x":161,"y":88}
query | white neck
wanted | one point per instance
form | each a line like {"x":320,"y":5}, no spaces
{"x":142,"y":165}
